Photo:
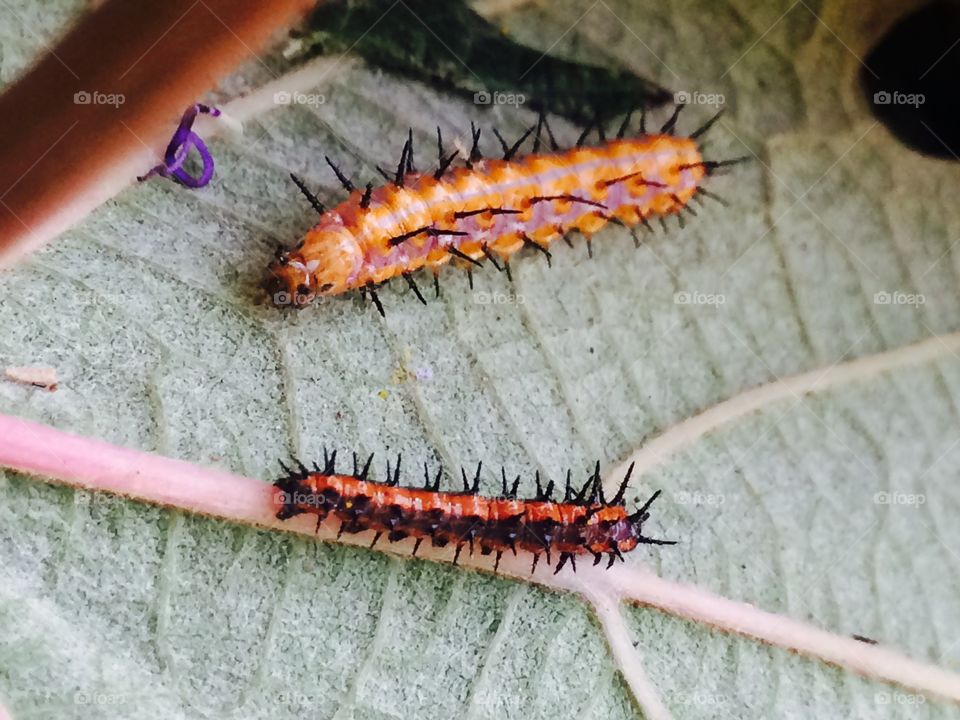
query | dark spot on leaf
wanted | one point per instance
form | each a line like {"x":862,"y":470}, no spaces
{"x":910,"y":80}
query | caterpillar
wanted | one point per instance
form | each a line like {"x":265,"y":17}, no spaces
{"x":583,"y":523}
{"x":489,"y":208}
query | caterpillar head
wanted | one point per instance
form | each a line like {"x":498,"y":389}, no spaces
{"x":635,"y":535}
{"x":324,"y":263}
{"x":610,"y":529}
{"x":285,"y":498}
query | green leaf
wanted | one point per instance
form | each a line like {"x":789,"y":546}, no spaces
{"x":152,"y":314}
{"x":453,"y":47}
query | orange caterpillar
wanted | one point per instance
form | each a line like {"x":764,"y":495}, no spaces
{"x":584,"y":523}
{"x":488,"y":209}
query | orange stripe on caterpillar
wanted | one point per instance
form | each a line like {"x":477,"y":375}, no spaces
{"x":489,"y":209}
{"x":583,"y":523}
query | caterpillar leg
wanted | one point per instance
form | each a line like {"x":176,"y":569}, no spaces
{"x":563,"y":559}
{"x":413,"y":286}
{"x":372,"y":289}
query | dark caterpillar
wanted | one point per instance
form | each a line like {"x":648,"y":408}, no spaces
{"x":584,"y":523}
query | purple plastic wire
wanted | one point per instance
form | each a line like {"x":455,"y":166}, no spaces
{"x":184,"y":140}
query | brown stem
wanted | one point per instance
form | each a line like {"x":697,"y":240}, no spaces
{"x":63,"y":158}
